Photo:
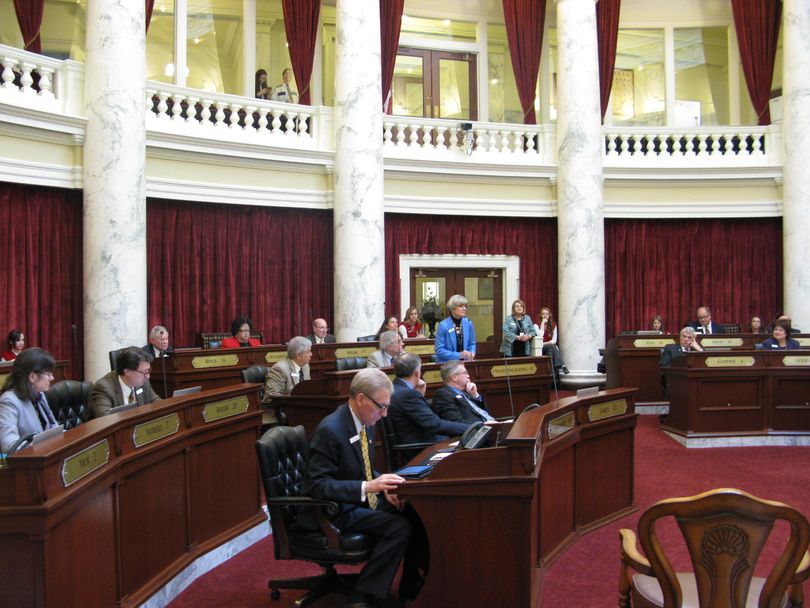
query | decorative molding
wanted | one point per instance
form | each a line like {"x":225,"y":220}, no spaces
{"x":40,"y":174}
{"x":234,"y":194}
{"x":470,"y":206}
{"x":693,"y":210}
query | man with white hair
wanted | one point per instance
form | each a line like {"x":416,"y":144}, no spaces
{"x":391,"y":344}
{"x":287,"y":373}
{"x":158,"y":342}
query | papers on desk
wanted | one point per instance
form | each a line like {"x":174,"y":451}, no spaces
{"x":439,"y":456}
{"x":452,"y":445}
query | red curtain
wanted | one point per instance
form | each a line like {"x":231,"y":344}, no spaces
{"x":607,"y":32}
{"x":150,"y":5}
{"x":29,"y":16}
{"x":301,"y":24}
{"x":390,"y":22}
{"x":669,"y":267}
{"x":533,"y":239}
{"x":41,"y":245}
{"x":524,"y":29}
{"x":208,"y":264}
{"x":757,"y":25}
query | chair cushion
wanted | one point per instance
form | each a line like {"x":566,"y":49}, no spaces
{"x":647,"y":589}
{"x":312,"y":545}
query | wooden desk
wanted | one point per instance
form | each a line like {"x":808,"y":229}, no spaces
{"x":632,"y":360}
{"x":528,"y":377}
{"x":740,"y":393}
{"x":496,"y":517}
{"x":108,"y":512}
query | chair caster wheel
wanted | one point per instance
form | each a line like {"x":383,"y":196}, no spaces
{"x":275,"y":594}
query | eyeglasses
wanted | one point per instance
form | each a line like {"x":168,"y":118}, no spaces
{"x":146,"y":373}
{"x":382,"y":406}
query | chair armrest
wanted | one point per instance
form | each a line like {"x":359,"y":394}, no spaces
{"x":630,"y":554}
{"x":322,"y":509}
{"x":803,"y":570}
{"x":411,"y":446}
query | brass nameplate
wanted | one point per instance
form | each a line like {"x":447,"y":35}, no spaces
{"x":354,"y":351}
{"x":607,"y":409}
{"x":217,"y":410}
{"x":147,"y":432}
{"x":434,"y":376}
{"x":214,"y":361}
{"x":523,"y":369}
{"x":85,"y":462}
{"x":561,"y":424}
{"x":729,"y":361}
{"x":804,"y":341}
{"x":421,"y":349}
{"x":652,"y":342}
{"x":796,"y":360}
{"x":274,"y":356}
{"x":710,"y":342}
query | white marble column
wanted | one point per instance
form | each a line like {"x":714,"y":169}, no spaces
{"x":580,"y":228}
{"x":358,"y":213}
{"x":796,"y":160}
{"x":114,"y":194}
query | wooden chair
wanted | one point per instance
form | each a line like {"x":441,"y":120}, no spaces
{"x":725,"y":531}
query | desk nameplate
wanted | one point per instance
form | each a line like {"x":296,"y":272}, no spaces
{"x":354,"y":351}
{"x":652,"y":342}
{"x":421,"y":349}
{"x":85,"y":462}
{"x":433,"y":376}
{"x":743,"y":361}
{"x":520,"y":369}
{"x":214,"y":361}
{"x":561,"y":424}
{"x":600,"y":411}
{"x":796,"y":360}
{"x":711,"y":342}
{"x":217,"y":410}
{"x":274,"y":356}
{"x":147,"y":432}
{"x":804,"y":341}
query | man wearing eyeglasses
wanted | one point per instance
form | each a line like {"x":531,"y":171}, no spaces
{"x":411,"y":416}
{"x":341,"y":468}
{"x":127,"y":383}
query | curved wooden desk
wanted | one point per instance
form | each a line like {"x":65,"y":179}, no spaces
{"x":107,"y":513}
{"x":496,"y":517}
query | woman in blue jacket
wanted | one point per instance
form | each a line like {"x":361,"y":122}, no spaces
{"x":455,"y":336}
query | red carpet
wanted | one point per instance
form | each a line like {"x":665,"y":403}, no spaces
{"x":586,"y":574}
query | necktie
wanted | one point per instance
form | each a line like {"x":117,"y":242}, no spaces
{"x":372,"y":498}
{"x":131,"y":396}
{"x":484,"y":416}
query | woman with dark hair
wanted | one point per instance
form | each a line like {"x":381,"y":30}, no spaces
{"x":262,"y":90}
{"x":241,"y":327}
{"x":518,"y":332}
{"x":658,"y":324}
{"x":410,"y":326}
{"x":16,"y":343}
{"x":756,"y":326}
{"x":548,"y":331}
{"x":390,"y":324}
{"x":781,"y":338}
{"x":24,"y":409}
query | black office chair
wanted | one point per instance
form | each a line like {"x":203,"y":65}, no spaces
{"x":398,"y":454}
{"x":348,"y":363}
{"x":282,"y":453}
{"x":113,"y":357}
{"x":367,"y":338}
{"x":273,"y":415}
{"x":68,"y":400}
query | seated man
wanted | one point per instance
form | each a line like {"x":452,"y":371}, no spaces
{"x":704,"y":323}
{"x":158,"y":342}
{"x":320,"y":333}
{"x":285,"y":374}
{"x":670,"y":352}
{"x":127,"y":383}
{"x":458,"y":400}
{"x":391,"y":344}
{"x":411,"y":416}
{"x":341,"y":468}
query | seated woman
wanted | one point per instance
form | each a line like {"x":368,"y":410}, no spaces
{"x":240,"y":330}
{"x":24,"y":409}
{"x":781,"y":338}
{"x":518,"y":331}
{"x":16,"y":343}
{"x":755,"y":325}
{"x":548,"y":331}
{"x":390,"y":324}
{"x":658,"y":324}
{"x":410,"y":326}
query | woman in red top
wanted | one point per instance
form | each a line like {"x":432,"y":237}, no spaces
{"x":410,"y":326}
{"x":240,"y":330}
{"x":547,"y":329}
{"x":16,"y":342}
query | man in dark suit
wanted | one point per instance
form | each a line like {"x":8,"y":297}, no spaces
{"x":341,"y":456}
{"x":320,"y":333}
{"x":704,"y":323}
{"x":158,"y":342}
{"x":127,"y":383}
{"x":411,"y":416}
{"x":459,"y":400}
{"x":687,"y":344}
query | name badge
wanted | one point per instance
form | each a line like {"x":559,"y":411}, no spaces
{"x":138,"y":391}
{"x":354,"y":439}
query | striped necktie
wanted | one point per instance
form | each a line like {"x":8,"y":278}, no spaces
{"x":372,"y":498}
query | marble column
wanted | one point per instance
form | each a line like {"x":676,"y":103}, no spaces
{"x":580,"y":228}
{"x":114,"y":190}
{"x":796,"y":160}
{"x":358,"y":206}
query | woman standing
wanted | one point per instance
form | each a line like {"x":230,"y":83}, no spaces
{"x":410,"y":326}
{"x":518,"y":331}
{"x":24,"y":409}
{"x":548,"y":331}
{"x":16,"y":343}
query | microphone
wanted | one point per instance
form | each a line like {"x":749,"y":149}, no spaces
{"x":509,"y":386}
{"x":163,"y":369}
{"x":553,"y":375}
